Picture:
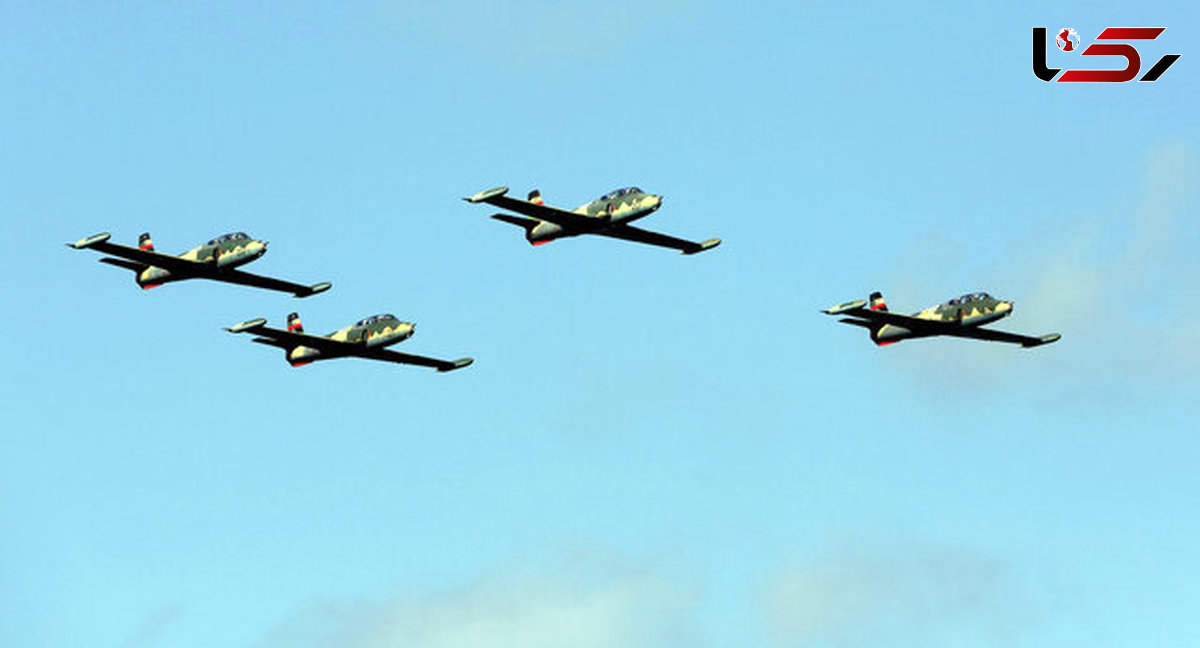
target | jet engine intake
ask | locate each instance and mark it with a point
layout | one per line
(227, 259)
(301, 355)
(889, 333)
(372, 340)
(152, 276)
(544, 233)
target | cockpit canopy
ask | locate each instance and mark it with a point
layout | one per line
(968, 298)
(233, 236)
(367, 321)
(613, 195)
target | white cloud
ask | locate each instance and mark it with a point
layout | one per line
(567, 608)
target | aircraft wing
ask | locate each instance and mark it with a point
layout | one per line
(388, 355)
(630, 233)
(567, 219)
(992, 335)
(232, 275)
(165, 261)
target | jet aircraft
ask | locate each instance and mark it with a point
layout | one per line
(959, 317)
(215, 260)
(608, 215)
(365, 338)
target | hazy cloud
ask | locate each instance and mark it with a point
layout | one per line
(1122, 284)
(1118, 284)
(525, 31)
(919, 595)
(153, 626)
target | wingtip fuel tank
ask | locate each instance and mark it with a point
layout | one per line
(458, 364)
(841, 308)
(1046, 339)
(704, 246)
(484, 195)
(315, 288)
(248, 325)
(84, 243)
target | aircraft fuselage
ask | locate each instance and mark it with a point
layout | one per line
(228, 251)
(371, 332)
(620, 206)
(975, 309)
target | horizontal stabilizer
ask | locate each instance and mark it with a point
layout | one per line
(705, 245)
(270, 342)
(519, 221)
(458, 364)
(857, 322)
(248, 325)
(122, 263)
(848, 306)
(88, 242)
(484, 195)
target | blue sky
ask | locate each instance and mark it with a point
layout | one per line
(651, 449)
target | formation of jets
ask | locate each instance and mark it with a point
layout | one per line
(609, 216)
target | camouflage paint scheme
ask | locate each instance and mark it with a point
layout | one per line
(608, 215)
(958, 317)
(215, 260)
(365, 338)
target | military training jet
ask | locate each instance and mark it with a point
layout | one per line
(363, 339)
(960, 317)
(608, 215)
(214, 260)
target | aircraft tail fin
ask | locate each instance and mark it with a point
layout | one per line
(877, 302)
(535, 197)
(293, 323)
(145, 242)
